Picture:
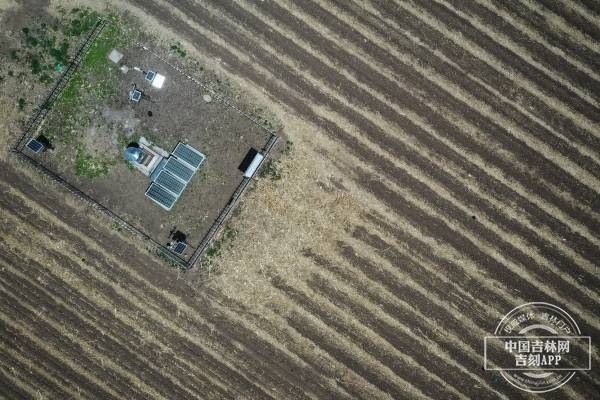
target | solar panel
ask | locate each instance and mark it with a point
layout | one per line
(170, 182)
(189, 155)
(135, 95)
(179, 169)
(35, 146)
(179, 247)
(161, 196)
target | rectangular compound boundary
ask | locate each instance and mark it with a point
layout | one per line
(37, 118)
(42, 111)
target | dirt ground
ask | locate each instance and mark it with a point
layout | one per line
(443, 170)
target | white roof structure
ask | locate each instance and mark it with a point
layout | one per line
(249, 173)
(158, 81)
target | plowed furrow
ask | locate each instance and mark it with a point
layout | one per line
(243, 337)
(107, 334)
(389, 144)
(26, 371)
(425, 319)
(534, 54)
(574, 26)
(68, 377)
(436, 228)
(419, 352)
(401, 367)
(381, 84)
(481, 69)
(467, 78)
(71, 355)
(541, 79)
(232, 61)
(345, 354)
(184, 349)
(541, 43)
(489, 59)
(13, 387)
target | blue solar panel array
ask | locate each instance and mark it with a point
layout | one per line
(35, 146)
(172, 175)
(179, 169)
(161, 196)
(189, 155)
(179, 247)
(170, 182)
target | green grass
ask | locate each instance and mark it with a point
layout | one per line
(42, 52)
(272, 171)
(35, 65)
(178, 49)
(95, 68)
(46, 78)
(91, 167)
(288, 147)
(96, 60)
(60, 53)
(82, 20)
(217, 246)
(172, 263)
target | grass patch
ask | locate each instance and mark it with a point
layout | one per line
(272, 171)
(89, 166)
(171, 262)
(60, 53)
(91, 76)
(22, 103)
(46, 79)
(96, 60)
(71, 92)
(81, 21)
(35, 65)
(217, 246)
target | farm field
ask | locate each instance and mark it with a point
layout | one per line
(440, 169)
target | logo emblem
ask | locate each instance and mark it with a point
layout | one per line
(537, 347)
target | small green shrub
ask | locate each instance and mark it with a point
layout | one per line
(217, 246)
(46, 78)
(272, 171)
(35, 65)
(288, 147)
(178, 49)
(170, 262)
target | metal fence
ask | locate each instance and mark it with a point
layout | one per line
(41, 112)
(214, 229)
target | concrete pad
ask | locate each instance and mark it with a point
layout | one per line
(158, 81)
(115, 56)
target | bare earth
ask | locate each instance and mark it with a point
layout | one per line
(444, 170)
